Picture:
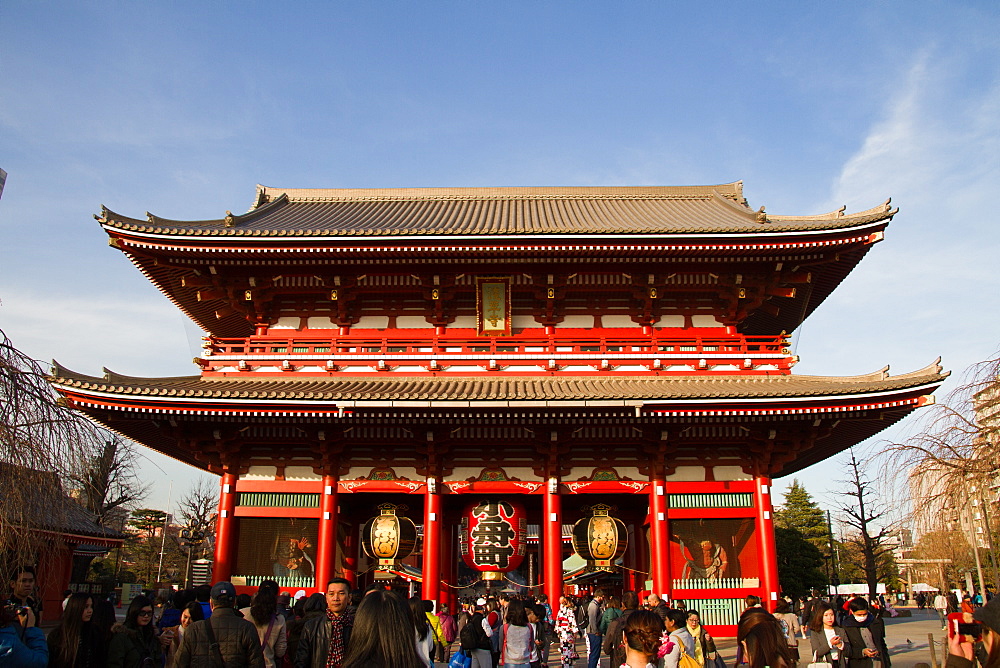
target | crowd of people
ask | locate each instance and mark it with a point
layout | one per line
(382, 628)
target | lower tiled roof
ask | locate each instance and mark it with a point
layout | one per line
(547, 388)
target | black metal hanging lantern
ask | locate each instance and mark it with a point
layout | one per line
(600, 539)
(389, 537)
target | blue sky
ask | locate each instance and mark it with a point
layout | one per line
(181, 108)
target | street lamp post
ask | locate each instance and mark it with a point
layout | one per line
(190, 538)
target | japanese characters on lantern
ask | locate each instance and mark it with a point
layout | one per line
(494, 536)
(600, 538)
(389, 537)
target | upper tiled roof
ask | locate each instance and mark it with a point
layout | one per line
(388, 212)
(547, 388)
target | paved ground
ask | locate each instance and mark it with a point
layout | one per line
(906, 638)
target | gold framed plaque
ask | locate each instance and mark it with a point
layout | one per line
(493, 306)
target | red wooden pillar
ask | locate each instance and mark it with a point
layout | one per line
(431, 565)
(659, 537)
(552, 573)
(326, 537)
(225, 530)
(765, 540)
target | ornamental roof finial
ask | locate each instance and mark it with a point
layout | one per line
(230, 219)
(761, 216)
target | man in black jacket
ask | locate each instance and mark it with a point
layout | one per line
(328, 634)
(225, 638)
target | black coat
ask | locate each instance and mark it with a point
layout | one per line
(314, 644)
(856, 657)
(237, 638)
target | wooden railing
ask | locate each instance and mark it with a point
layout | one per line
(354, 347)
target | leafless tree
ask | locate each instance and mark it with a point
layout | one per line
(108, 479)
(39, 440)
(197, 510)
(868, 520)
(954, 459)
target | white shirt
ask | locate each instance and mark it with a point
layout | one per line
(834, 652)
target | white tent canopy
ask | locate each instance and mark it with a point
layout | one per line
(923, 586)
(856, 589)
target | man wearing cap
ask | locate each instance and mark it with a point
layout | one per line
(324, 639)
(225, 639)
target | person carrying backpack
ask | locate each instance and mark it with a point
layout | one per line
(475, 637)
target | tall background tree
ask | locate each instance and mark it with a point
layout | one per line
(145, 543)
(802, 542)
(870, 534)
(108, 480)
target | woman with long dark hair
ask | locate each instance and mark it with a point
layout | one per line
(424, 632)
(76, 642)
(516, 637)
(827, 640)
(763, 641)
(383, 634)
(263, 612)
(134, 644)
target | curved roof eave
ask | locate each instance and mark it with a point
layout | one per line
(425, 213)
(644, 391)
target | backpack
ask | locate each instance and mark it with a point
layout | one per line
(467, 636)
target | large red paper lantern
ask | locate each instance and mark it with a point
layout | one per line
(494, 536)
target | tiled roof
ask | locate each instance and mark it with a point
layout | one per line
(387, 212)
(548, 388)
(49, 508)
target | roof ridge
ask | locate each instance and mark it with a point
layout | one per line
(265, 193)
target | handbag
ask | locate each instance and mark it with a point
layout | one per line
(460, 660)
(818, 664)
(686, 660)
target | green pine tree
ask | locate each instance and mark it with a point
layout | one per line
(802, 541)
(801, 513)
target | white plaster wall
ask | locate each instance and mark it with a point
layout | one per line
(704, 321)
(671, 321)
(577, 322)
(688, 474)
(731, 473)
(301, 473)
(320, 322)
(260, 473)
(413, 322)
(618, 321)
(286, 322)
(372, 322)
